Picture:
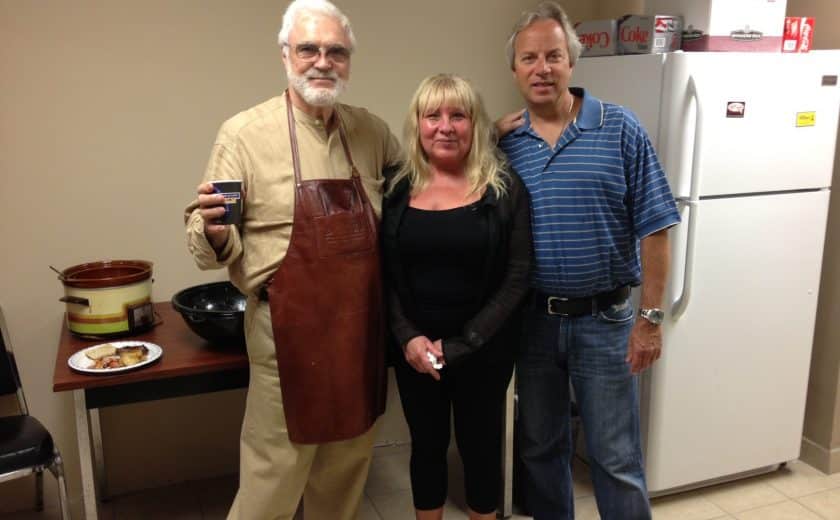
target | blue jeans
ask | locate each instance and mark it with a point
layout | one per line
(588, 350)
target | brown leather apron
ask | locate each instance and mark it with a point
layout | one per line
(326, 308)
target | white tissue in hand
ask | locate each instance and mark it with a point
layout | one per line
(435, 363)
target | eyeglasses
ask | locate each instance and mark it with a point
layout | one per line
(310, 52)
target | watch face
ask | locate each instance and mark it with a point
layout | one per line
(653, 315)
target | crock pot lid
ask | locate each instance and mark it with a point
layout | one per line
(107, 273)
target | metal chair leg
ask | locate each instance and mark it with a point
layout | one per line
(39, 489)
(57, 469)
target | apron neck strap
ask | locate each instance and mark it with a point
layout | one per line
(294, 142)
(353, 171)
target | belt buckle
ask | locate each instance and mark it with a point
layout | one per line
(557, 299)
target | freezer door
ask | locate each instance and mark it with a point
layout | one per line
(633, 81)
(762, 122)
(728, 394)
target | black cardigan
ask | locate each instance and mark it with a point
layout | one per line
(506, 269)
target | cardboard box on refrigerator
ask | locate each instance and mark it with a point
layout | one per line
(727, 25)
(649, 34)
(598, 37)
(799, 34)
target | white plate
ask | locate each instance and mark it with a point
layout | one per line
(79, 361)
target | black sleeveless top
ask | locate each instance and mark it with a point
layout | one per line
(443, 252)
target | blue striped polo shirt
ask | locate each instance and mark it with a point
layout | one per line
(593, 196)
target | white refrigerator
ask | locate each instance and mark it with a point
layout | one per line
(747, 141)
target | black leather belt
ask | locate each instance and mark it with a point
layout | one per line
(572, 307)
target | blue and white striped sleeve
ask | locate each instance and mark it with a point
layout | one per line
(650, 201)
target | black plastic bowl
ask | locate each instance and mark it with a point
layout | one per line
(214, 311)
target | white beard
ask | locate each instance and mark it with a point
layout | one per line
(316, 96)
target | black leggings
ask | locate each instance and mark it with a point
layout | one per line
(475, 392)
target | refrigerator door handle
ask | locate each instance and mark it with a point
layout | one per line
(681, 303)
(694, 190)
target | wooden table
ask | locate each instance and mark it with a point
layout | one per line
(189, 365)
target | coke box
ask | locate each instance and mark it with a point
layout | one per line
(798, 35)
(649, 34)
(597, 37)
(727, 25)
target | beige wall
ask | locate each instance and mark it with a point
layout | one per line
(618, 8)
(107, 114)
(821, 443)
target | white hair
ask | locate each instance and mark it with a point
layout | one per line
(298, 7)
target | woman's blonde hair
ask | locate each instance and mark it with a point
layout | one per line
(485, 165)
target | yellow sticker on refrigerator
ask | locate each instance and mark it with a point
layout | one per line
(806, 119)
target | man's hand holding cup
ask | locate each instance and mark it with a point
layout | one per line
(220, 204)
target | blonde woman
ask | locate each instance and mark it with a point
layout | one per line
(457, 245)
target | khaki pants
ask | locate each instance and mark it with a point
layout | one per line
(273, 471)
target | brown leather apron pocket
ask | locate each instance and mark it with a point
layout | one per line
(343, 234)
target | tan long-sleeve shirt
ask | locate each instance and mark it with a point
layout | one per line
(254, 146)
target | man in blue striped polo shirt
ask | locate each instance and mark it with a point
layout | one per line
(601, 207)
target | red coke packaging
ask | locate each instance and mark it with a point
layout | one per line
(798, 35)
(727, 25)
(649, 34)
(598, 37)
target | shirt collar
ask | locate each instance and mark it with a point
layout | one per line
(314, 122)
(525, 128)
(590, 116)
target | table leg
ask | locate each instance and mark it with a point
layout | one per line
(507, 452)
(98, 456)
(83, 439)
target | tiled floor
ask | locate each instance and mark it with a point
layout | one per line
(796, 492)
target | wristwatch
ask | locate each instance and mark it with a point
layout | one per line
(654, 316)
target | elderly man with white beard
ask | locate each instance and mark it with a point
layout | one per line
(307, 255)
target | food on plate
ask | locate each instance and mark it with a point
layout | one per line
(107, 362)
(101, 351)
(132, 355)
(121, 357)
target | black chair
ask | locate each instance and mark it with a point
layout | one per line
(26, 447)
